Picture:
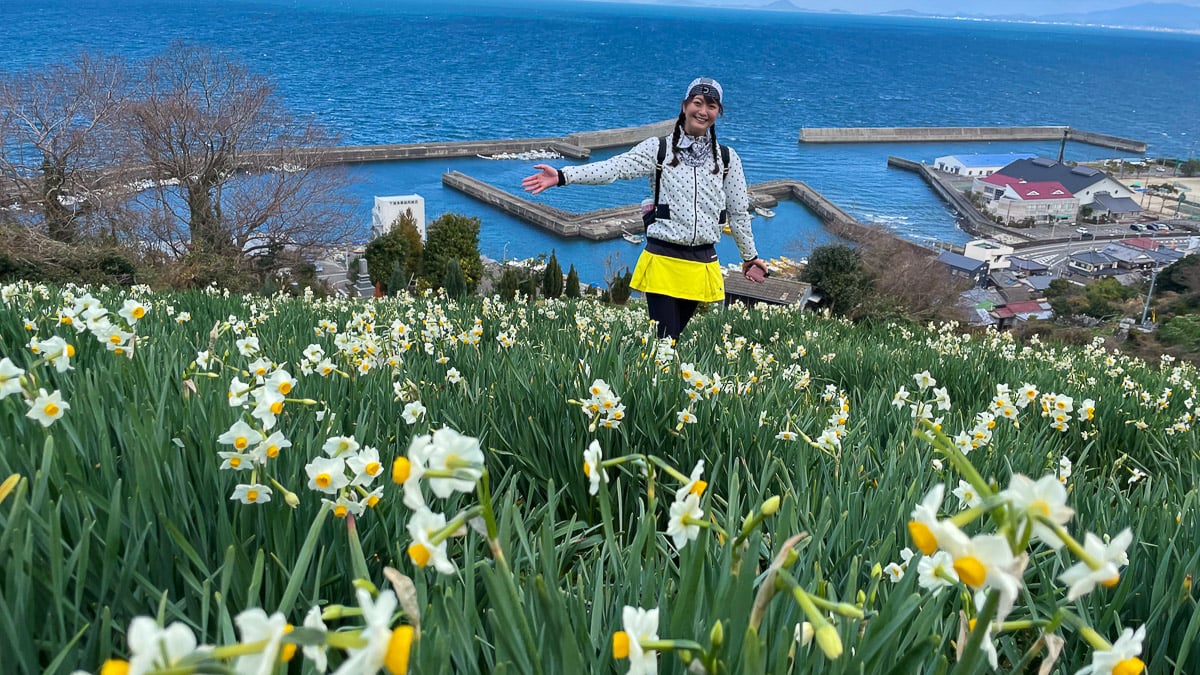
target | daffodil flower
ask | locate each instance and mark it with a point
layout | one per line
(935, 572)
(47, 408)
(253, 493)
(1121, 658)
(327, 474)
(377, 632)
(422, 527)
(365, 465)
(924, 526)
(413, 411)
(638, 626)
(1046, 498)
(685, 513)
(340, 446)
(153, 648)
(893, 572)
(592, 469)
(10, 378)
(255, 626)
(1082, 577)
(967, 495)
(315, 652)
(447, 450)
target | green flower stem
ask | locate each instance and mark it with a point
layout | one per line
(239, 649)
(1073, 546)
(969, 515)
(943, 444)
(839, 608)
(484, 488)
(675, 473)
(454, 524)
(806, 601)
(707, 524)
(357, 559)
(1085, 631)
(306, 553)
(670, 645)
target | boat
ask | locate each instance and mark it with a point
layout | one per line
(764, 212)
(632, 238)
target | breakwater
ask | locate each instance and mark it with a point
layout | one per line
(966, 134)
(970, 219)
(610, 223)
(575, 146)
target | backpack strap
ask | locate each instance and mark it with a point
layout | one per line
(724, 162)
(658, 166)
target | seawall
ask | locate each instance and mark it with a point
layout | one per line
(965, 134)
(610, 223)
(971, 220)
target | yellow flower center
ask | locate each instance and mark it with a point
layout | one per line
(1130, 666)
(1039, 507)
(272, 451)
(372, 501)
(340, 510)
(401, 468)
(252, 496)
(698, 488)
(276, 407)
(419, 554)
(1109, 583)
(373, 468)
(287, 650)
(285, 387)
(66, 320)
(971, 571)
(115, 667)
(923, 537)
(587, 469)
(620, 645)
(322, 480)
(235, 462)
(240, 442)
(70, 351)
(115, 339)
(51, 410)
(138, 312)
(971, 624)
(398, 650)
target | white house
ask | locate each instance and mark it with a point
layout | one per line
(977, 164)
(388, 209)
(990, 252)
(1015, 200)
(1081, 181)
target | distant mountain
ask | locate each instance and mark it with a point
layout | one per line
(1146, 15)
(784, 6)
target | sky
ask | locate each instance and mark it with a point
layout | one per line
(1007, 7)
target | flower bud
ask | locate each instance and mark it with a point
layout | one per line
(717, 635)
(829, 641)
(770, 506)
(804, 633)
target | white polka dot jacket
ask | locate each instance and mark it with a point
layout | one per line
(695, 196)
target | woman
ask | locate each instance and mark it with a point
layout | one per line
(695, 192)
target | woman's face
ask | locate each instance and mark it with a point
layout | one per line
(699, 114)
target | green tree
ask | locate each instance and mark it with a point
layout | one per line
(618, 289)
(552, 278)
(398, 280)
(1183, 330)
(452, 236)
(1181, 276)
(454, 282)
(506, 288)
(401, 244)
(572, 288)
(836, 270)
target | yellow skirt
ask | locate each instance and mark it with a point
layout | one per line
(686, 279)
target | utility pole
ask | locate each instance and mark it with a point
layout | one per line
(1146, 308)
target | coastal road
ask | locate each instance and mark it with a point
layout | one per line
(1055, 254)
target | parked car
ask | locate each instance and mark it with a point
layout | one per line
(1138, 227)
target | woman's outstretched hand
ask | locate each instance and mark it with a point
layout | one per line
(544, 180)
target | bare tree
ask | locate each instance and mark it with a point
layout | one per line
(60, 131)
(233, 174)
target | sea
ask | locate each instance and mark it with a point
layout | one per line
(390, 71)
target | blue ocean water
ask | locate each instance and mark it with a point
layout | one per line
(380, 71)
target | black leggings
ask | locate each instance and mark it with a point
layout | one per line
(672, 314)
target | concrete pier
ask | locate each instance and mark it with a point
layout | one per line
(971, 220)
(574, 146)
(966, 134)
(610, 223)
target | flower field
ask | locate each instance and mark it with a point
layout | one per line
(196, 482)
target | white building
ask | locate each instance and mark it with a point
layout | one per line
(388, 209)
(990, 252)
(977, 164)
